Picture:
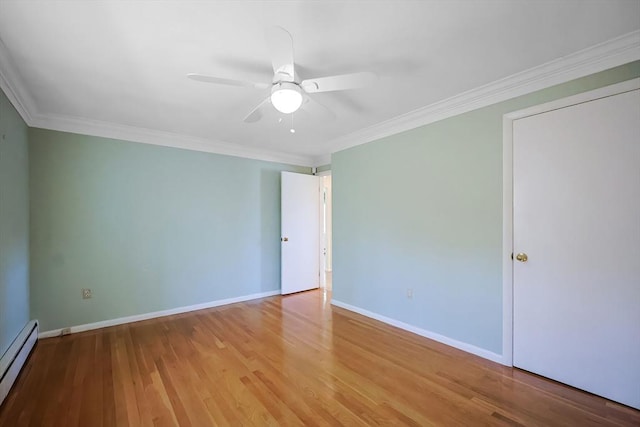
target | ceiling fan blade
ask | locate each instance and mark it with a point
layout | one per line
(280, 45)
(339, 82)
(316, 109)
(227, 82)
(256, 113)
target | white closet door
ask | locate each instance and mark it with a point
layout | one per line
(577, 218)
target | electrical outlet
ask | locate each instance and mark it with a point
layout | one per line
(86, 293)
(65, 331)
(409, 293)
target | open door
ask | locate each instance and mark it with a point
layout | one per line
(299, 242)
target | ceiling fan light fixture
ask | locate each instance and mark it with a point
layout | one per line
(286, 97)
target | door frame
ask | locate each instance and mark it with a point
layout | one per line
(323, 274)
(507, 194)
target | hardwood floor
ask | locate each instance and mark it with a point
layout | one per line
(292, 360)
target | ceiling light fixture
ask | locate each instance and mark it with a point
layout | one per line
(286, 97)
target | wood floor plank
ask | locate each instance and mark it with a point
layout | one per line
(289, 361)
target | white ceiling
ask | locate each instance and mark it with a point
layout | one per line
(118, 68)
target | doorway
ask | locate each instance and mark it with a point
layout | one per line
(326, 238)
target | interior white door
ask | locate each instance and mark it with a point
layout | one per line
(300, 225)
(576, 301)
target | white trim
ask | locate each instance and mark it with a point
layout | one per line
(591, 95)
(15, 357)
(486, 354)
(155, 314)
(507, 194)
(321, 160)
(163, 138)
(13, 87)
(322, 241)
(612, 53)
(507, 241)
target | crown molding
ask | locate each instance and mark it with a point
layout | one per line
(594, 59)
(321, 160)
(12, 85)
(600, 57)
(162, 138)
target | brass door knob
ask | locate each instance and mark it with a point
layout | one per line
(522, 257)
(285, 239)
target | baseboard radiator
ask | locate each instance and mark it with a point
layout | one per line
(14, 359)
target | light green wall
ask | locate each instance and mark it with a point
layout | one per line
(423, 210)
(323, 168)
(14, 224)
(147, 228)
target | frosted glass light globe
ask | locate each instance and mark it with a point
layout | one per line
(286, 97)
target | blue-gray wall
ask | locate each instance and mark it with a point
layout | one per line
(423, 210)
(14, 224)
(147, 228)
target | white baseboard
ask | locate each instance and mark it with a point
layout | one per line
(486, 354)
(15, 357)
(153, 315)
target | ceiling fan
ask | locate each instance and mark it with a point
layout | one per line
(288, 92)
